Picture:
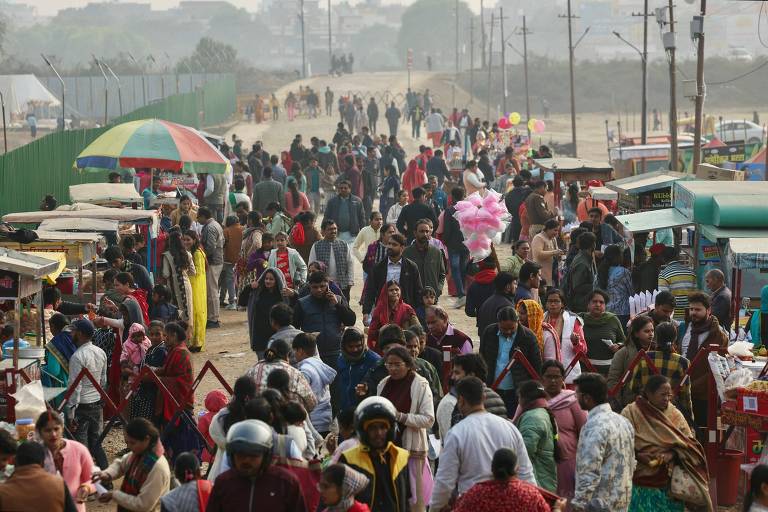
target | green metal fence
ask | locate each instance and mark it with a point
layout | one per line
(44, 166)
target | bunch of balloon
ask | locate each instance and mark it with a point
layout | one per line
(514, 118)
(504, 123)
(536, 126)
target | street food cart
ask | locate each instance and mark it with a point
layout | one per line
(566, 170)
(645, 192)
(148, 218)
(20, 277)
(81, 249)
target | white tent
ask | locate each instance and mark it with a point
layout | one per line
(19, 90)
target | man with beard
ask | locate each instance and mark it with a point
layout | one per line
(428, 259)
(337, 255)
(394, 268)
(253, 478)
(355, 363)
(702, 331)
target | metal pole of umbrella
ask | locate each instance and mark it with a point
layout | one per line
(63, 91)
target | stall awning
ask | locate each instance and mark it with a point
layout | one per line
(30, 265)
(79, 225)
(651, 221)
(713, 233)
(59, 257)
(646, 182)
(748, 253)
(104, 193)
(565, 164)
(603, 194)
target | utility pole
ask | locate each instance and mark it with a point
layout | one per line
(570, 66)
(482, 34)
(303, 45)
(106, 90)
(503, 63)
(668, 40)
(698, 22)
(490, 62)
(456, 76)
(525, 73)
(471, 60)
(63, 93)
(330, 50)
(119, 89)
(644, 102)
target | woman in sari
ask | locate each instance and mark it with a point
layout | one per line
(177, 376)
(390, 309)
(662, 440)
(145, 471)
(199, 292)
(177, 267)
(532, 316)
(57, 353)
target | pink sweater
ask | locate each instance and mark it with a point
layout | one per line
(77, 468)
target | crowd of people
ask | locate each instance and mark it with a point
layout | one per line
(408, 412)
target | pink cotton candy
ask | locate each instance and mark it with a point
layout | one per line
(479, 246)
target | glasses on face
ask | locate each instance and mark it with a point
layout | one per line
(394, 365)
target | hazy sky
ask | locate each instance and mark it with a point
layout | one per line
(49, 7)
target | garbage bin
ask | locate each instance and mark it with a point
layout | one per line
(728, 473)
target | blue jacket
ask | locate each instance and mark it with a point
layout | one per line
(320, 376)
(350, 374)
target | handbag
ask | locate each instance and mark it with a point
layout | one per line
(683, 487)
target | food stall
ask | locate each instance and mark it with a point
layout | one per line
(645, 192)
(566, 170)
(148, 218)
(20, 277)
(627, 160)
(81, 249)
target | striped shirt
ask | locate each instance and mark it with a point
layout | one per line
(680, 280)
(671, 365)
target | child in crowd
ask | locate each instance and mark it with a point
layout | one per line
(8, 447)
(338, 486)
(215, 401)
(428, 298)
(161, 308)
(143, 404)
(295, 415)
(128, 245)
(258, 260)
(132, 355)
(193, 491)
(347, 434)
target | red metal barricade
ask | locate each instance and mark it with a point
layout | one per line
(209, 367)
(447, 366)
(517, 357)
(9, 388)
(641, 354)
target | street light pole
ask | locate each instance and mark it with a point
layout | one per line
(570, 67)
(119, 89)
(63, 92)
(482, 34)
(503, 63)
(143, 81)
(456, 76)
(106, 90)
(525, 73)
(5, 134)
(490, 65)
(643, 58)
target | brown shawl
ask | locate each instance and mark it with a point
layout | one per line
(665, 430)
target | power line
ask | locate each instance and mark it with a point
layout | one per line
(739, 77)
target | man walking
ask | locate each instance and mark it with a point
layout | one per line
(328, 101)
(720, 297)
(469, 446)
(537, 209)
(337, 255)
(212, 240)
(85, 408)
(215, 195)
(373, 114)
(605, 456)
(428, 259)
(435, 126)
(325, 313)
(393, 118)
(412, 213)
(394, 268)
(678, 278)
(267, 191)
(346, 211)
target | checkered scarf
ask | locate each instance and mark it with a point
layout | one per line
(354, 482)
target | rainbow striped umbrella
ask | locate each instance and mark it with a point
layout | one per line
(152, 143)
